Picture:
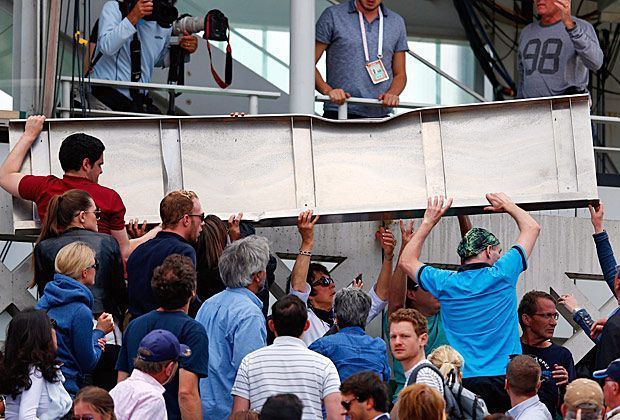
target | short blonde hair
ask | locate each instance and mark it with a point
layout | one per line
(74, 258)
(447, 359)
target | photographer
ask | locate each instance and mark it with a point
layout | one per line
(134, 36)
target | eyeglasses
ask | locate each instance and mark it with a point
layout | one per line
(549, 315)
(96, 212)
(323, 281)
(83, 417)
(201, 216)
(53, 323)
(95, 266)
(347, 404)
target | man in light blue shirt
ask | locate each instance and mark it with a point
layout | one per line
(479, 301)
(234, 321)
(117, 28)
(522, 384)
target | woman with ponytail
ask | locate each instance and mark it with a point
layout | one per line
(72, 217)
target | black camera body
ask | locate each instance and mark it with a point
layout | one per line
(216, 26)
(164, 12)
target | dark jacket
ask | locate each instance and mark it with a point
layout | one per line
(69, 303)
(109, 291)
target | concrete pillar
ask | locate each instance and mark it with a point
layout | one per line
(301, 79)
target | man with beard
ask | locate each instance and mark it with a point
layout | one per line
(181, 221)
(366, 44)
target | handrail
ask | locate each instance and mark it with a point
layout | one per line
(447, 76)
(605, 119)
(252, 95)
(343, 109)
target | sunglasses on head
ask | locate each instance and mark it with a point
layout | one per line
(323, 281)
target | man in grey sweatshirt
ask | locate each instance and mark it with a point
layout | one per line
(557, 52)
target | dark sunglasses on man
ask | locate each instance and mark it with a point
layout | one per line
(323, 281)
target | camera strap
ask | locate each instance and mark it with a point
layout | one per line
(228, 69)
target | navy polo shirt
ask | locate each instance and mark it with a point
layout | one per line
(143, 261)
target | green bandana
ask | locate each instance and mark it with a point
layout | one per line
(474, 242)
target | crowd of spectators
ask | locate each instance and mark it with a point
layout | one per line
(181, 322)
(173, 323)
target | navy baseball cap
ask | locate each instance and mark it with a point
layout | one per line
(161, 345)
(612, 371)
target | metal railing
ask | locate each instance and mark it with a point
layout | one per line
(66, 95)
(343, 109)
(605, 120)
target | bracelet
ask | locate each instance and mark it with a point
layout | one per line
(306, 253)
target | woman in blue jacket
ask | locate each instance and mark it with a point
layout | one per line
(68, 300)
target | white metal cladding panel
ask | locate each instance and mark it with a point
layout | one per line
(538, 151)
(240, 165)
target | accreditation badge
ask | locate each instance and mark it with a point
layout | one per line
(376, 71)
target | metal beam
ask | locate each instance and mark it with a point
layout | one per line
(345, 170)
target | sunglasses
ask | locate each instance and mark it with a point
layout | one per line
(347, 404)
(323, 281)
(95, 266)
(53, 323)
(201, 216)
(83, 417)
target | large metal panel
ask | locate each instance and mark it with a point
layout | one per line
(272, 166)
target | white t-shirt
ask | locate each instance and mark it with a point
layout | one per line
(43, 400)
(426, 376)
(318, 327)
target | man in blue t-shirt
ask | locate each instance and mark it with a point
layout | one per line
(538, 318)
(479, 301)
(181, 221)
(174, 284)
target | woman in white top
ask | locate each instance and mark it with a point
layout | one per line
(29, 375)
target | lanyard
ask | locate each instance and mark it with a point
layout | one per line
(363, 31)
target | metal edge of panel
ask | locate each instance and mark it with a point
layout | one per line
(444, 109)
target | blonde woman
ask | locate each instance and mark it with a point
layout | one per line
(450, 363)
(68, 300)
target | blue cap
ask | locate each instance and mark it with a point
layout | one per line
(161, 345)
(612, 371)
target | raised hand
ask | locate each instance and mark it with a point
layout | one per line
(406, 232)
(388, 242)
(499, 202)
(134, 229)
(34, 125)
(597, 212)
(569, 302)
(435, 209)
(305, 225)
(234, 228)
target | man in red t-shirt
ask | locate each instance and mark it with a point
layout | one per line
(81, 157)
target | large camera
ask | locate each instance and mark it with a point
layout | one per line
(214, 24)
(164, 12)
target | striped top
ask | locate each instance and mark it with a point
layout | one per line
(287, 366)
